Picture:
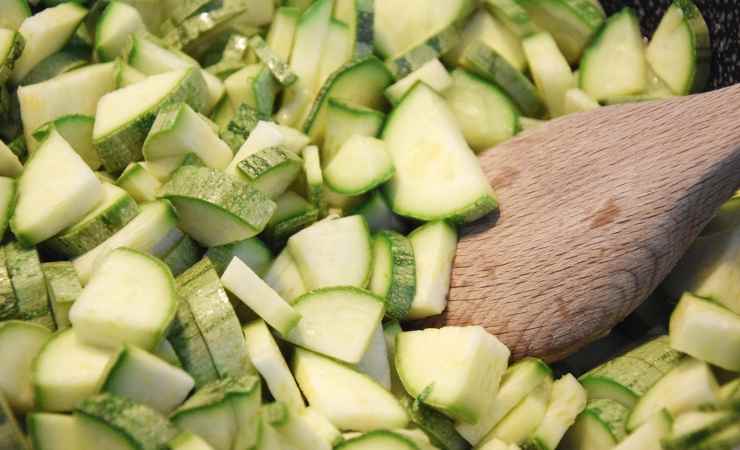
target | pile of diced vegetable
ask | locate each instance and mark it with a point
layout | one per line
(218, 216)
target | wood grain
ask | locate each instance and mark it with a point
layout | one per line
(596, 208)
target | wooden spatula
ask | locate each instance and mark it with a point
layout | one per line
(595, 209)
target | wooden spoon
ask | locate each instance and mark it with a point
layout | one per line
(595, 210)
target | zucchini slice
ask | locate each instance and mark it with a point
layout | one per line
(265, 355)
(107, 421)
(486, 115)
(513, 15)
(400, 26)
(66, 371)
(338, 322)
(252, 252)
(706, 331)
(601, 425)
(487, 63)
(285, 278)
(305, 61)
(394, 273)
(333, 253)
(131, 371)
(215, 318)
(77, 130)
(572, 23)
(271, 170)
(24, 269)
(517, 382)
(434, 247)
(238, 128)
(567, 400)
(224, 413)
(46, 33)
(8, 300)
(414, 134)
(680, 51)
(432, 48)
(233, 210)
(115, 210)
(55, 176)
(43, 102)
(64, 287)
(253, 85)
(241, 281)
(113, 310)
(59, 63)
(614, 63)
(488, 29)
(282, 30)
(337, 50)
(190, 346)
(295, 431)
(433, 73)
(279, 68)
(349, 399)
(649, 435)
(626, 378)
(117, 22)
(361, 81)
(179, 130)
(12, 435)
(343, 120)
(293, 214)
(684, 388)
(361, 165)
(465, 387)
(550, 70)
(183, 254)
(122, 119)
(139, 182)
(524, 419)
(20, 342)
(144, 233)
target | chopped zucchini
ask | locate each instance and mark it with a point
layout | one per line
(27, 279)
(361, 81)
(129, 299)
(215, 318)
(20, 342)
(130, 374)
(179, 130)
(77, 130)
(343, 120)
(490, 30)
(283, 276)
(394, 273)
(361, 164)
(349, 399)
(66, 371)
(433, 73)
(687, 386)
(117, 22)
(465, 386)
(265, 355)
(484, 113)
(234, 210)
(338, 322)
(270, 170)
(614, 63)
(63, 287)
(706, 331)
(333, 253)
(139, 182)
(282, 31)
(680, 51)
(550, 71)
(46, 33)
(145, 232)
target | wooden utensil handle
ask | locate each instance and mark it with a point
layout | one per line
(596, 209)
